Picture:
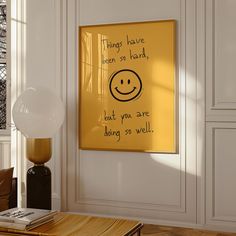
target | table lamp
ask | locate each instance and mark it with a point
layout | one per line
(38, 114)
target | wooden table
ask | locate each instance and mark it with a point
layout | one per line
(65, 224)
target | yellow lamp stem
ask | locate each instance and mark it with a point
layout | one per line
(38, 150)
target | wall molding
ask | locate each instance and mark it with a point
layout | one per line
(71, 196)
(212, 218)
(69, 64)
(181, 207)
(214, 104)
(200, 74)
(220, 120)
(5, 153)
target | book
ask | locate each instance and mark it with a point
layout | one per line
(25, 218)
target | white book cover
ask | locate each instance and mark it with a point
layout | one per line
(25, 218)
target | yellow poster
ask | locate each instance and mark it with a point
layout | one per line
(127, 87)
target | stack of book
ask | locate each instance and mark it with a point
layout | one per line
(25, 218)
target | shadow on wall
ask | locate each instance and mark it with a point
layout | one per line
(133, 180)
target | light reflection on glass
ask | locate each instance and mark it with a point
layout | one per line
(87, 59)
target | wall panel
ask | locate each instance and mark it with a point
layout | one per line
(221, 164)
(150, 186)
(220, 114)
(220, 62)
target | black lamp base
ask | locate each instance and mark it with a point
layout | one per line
(39, 187)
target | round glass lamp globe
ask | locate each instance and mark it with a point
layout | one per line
(38, 113)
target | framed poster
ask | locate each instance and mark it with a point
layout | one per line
(127, 87)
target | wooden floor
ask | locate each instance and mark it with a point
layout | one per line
(153, 230)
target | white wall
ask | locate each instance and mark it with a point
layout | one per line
(153, 187)
(43, 66)
(5, 152)
(35, 58)
(220, 113)
(166, 189)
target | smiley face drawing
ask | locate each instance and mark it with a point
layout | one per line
(125, 85)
